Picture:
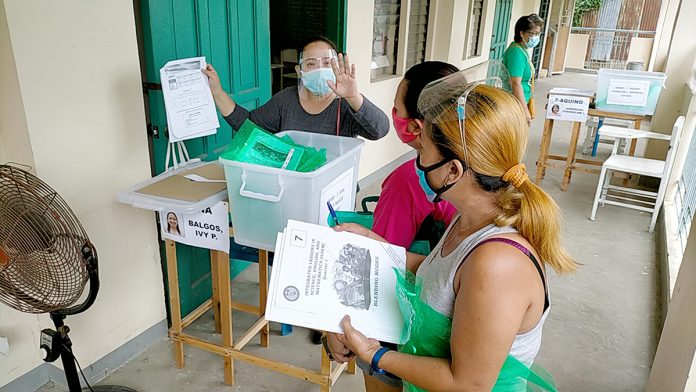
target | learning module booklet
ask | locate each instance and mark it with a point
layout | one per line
(319, 275)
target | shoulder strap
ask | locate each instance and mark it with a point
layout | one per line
(524, 250)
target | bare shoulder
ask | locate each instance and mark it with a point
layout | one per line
(499, 264)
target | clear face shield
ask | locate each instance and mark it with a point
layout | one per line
(447, 100)
(315, 70)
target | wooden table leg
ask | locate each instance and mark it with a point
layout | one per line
(222, 261)
(214, 273)
(544, 150)
(570, 159)
(263, 294)
(351, 366)
(325, 370)
(174, 301)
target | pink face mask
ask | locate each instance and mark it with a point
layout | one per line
(401, 126)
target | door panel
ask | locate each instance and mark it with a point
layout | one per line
(537, 54)
(501, 28)
(234, 36)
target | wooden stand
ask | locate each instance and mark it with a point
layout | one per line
(222, 305)
(570, 162)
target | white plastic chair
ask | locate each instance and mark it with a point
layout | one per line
(630, 197)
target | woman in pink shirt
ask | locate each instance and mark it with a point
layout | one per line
(403, 207)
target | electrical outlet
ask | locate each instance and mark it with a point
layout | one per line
(4, 346)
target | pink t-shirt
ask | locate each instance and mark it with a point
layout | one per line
(402, 207)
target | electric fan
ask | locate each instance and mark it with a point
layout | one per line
(46, 260)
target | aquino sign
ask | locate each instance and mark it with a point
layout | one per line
(567, 108)
(208, 228)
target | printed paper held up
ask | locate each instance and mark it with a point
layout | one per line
(319, 275)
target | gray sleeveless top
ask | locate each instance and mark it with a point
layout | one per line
(438, 286)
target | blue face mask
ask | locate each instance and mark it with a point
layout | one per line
(533, 42)
(433, 195)
(315, 80)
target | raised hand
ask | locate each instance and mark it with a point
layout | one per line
(213, 79)
(223, 101)
(346, 85)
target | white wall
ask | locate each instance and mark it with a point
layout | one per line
(14, 138)
(677, 65)
(78, 76)
(674, 361)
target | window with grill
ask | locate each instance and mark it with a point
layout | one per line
(417, 32)
(475, 30)
(385, 38)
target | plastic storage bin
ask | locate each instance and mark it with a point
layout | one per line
(262, 198)
(632, 92)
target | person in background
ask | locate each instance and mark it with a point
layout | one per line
(485, 282)
(519, 64)
(327, 100)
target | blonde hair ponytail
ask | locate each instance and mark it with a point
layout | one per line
(496, 139)
(537, 217)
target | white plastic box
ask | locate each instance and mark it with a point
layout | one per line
(262, 198)
(632, 92)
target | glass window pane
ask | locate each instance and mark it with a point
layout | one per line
(385, 37)
(417, 32)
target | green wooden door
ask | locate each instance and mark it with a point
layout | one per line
(233, 35)
(501, 28)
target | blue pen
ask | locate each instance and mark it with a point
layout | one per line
(332, 212)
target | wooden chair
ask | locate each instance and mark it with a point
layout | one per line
(636, 199)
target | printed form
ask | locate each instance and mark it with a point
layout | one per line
(187, 99)
(319, 275)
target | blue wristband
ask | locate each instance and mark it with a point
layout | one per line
(374, 368)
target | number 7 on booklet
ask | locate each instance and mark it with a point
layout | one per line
(319, 275)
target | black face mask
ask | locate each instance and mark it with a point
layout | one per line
(431, 192)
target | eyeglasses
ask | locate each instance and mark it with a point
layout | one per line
(533, 34)
(310, 63)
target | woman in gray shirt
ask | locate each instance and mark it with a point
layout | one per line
(327, 100)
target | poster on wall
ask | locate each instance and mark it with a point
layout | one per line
(208, 228)
(567, 108)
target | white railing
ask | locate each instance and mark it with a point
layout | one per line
(609, 48)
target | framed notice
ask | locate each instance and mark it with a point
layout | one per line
(567, 108)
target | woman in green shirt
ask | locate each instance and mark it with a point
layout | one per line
(519, 64)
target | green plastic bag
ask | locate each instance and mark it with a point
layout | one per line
(252, 144)
(427, 332)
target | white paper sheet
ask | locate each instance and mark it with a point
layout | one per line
(188, 100)
(319, 275)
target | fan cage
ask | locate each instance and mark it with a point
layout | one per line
(41, 264)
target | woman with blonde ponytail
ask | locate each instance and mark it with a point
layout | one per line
(476, 323)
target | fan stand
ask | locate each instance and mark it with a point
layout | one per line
(62, 346)
(56, 343)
